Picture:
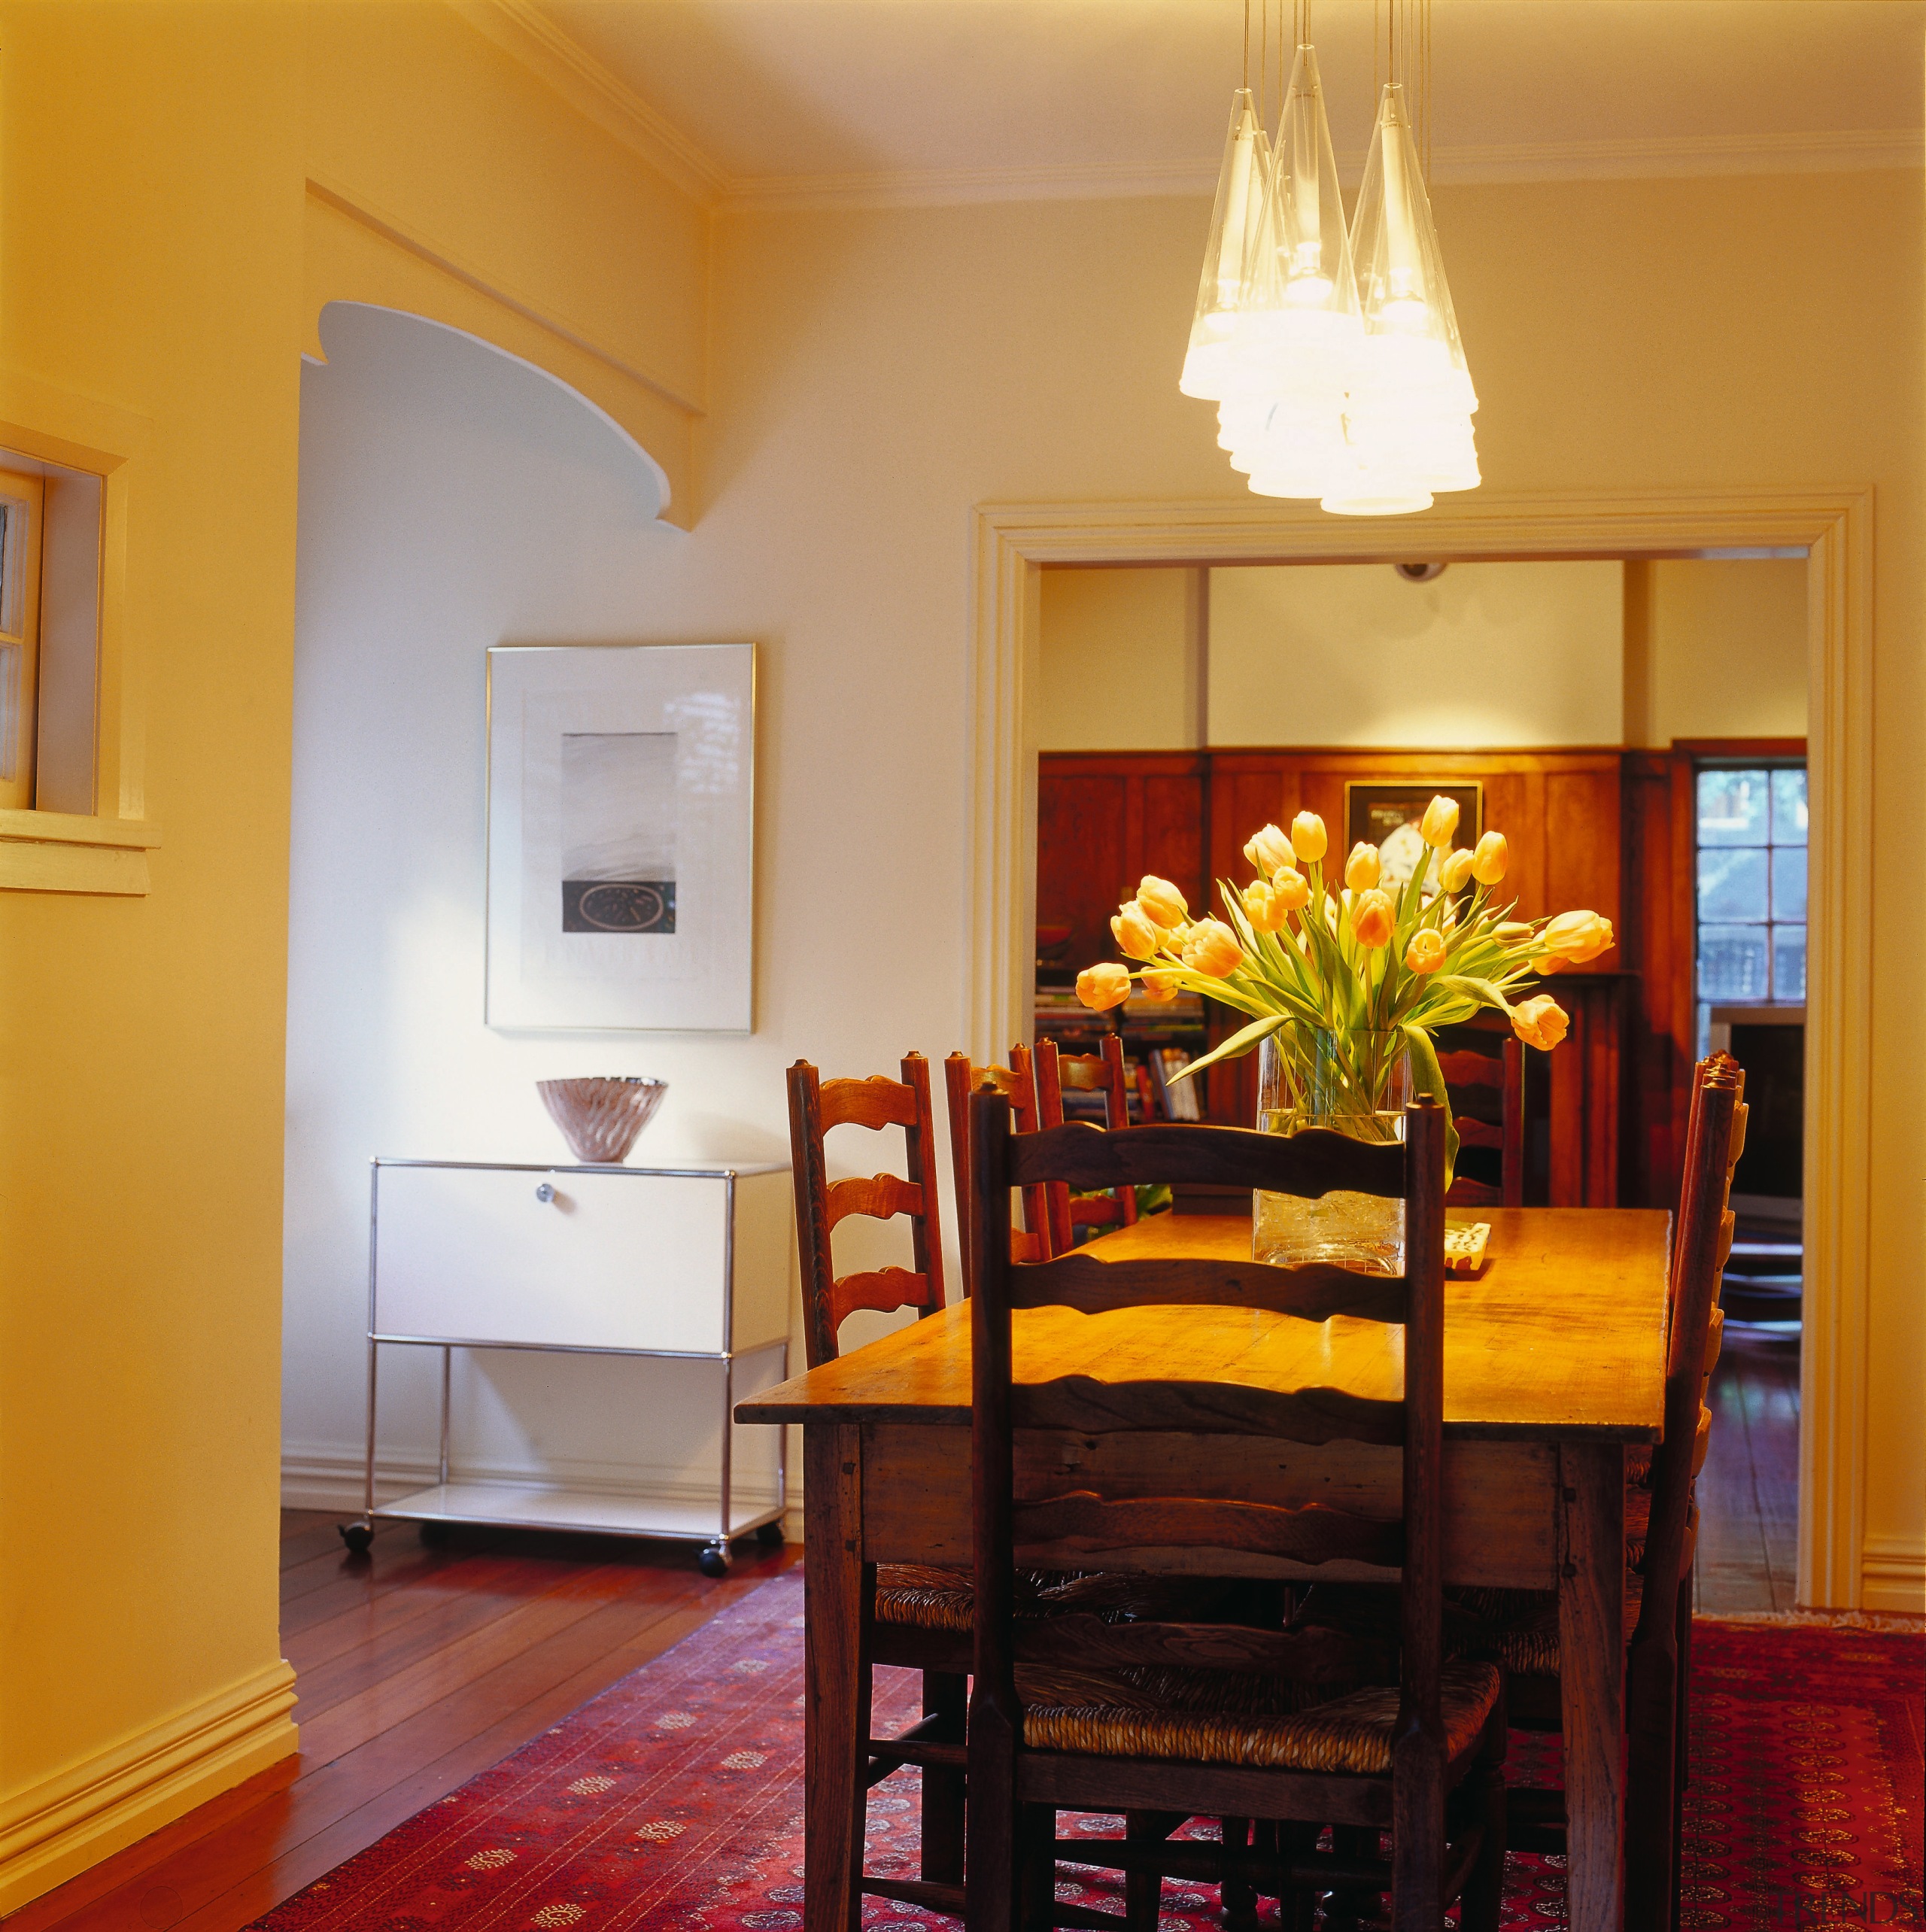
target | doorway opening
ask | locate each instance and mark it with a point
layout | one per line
(1604, 713)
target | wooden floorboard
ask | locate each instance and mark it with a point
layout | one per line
(418, 1667)
(1748, 1490)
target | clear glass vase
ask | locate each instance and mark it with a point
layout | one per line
(1354, 1083)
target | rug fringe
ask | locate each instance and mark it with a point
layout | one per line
(1898, 1622)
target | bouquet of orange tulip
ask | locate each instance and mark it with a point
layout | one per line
(1366, 971)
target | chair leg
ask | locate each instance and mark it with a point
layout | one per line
(1343, 1908)
(859, 1822)
(1483, 1901)
(1418, 1833)
(1681, 1726)
(991, 1825)
(1651, 1793)
(945, 1696)
(1238, 1896)
(1036, 1882)
(1297, 1906)
(1143, 1891)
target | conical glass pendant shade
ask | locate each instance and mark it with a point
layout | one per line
(1408, 428)
(1232, 251)
(1317, 293)
(1400, 269)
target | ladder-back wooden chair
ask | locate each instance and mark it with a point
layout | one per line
(1520, 1628)
(1057, 1072)
(1017, 1082)
(1174, 1719)
(914, 1616)
(1473, 1081)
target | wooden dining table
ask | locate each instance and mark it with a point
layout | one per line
(1555, 1363)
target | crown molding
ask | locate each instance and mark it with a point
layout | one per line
(521, 30)
(1850, 152)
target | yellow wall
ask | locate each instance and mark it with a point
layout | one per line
(1727, 649)
(151, 239)
(1122, 666)
(874, 376)
(877, 375)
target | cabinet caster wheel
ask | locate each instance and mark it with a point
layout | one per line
(433, 1534)
(770, 1535)
(714, 1560)
(357, 1536)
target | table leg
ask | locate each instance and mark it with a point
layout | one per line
(832, 1645)
(1591, 1652)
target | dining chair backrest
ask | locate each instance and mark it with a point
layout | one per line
(1715, 1134)
(1075, 1528)
(1017, 1082)
(816, 1106)
(1473, 1081)
(1058, 1072)
(1656, 1657)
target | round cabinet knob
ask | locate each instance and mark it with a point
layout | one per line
(545, 1192)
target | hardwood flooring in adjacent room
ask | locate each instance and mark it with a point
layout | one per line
(416, 1668)
(1748, 1490)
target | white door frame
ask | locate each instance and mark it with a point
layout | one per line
(1010, 543)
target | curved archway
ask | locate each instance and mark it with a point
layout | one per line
(657, 477)
(353, 256)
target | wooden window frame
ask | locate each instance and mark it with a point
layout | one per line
(103, 851)
(24, 497)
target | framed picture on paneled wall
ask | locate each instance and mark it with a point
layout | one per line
(1387, 815)
(621, 833)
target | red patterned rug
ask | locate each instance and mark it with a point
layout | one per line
(675, 1799)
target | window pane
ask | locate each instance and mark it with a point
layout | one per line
(1732, 884)
(1789, 807)
(1732, 963)
(1733, 808)
(1789, 962)
(1789, 882)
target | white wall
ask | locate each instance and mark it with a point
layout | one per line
(1487, 657)
(450, 499)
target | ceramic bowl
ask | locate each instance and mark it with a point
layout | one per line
(600, 1119)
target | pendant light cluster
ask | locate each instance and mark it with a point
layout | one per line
(1332, 354)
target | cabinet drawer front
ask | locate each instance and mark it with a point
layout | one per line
(614, 1260)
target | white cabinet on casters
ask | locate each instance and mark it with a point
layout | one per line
(691, 1263)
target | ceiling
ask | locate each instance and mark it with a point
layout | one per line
(820, 102)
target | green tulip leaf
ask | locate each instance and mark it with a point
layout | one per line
(1238, 1044)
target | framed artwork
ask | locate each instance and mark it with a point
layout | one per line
(1386, 812)
(621, 835)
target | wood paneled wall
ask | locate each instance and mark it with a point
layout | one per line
(1657, 942)
(1607, 830)
(1559, 810)
(1104, 819)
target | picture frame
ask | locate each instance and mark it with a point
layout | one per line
(1386, 812)
(620, 838)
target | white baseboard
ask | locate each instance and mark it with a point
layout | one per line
(1892, 1574)
(51, 1830)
